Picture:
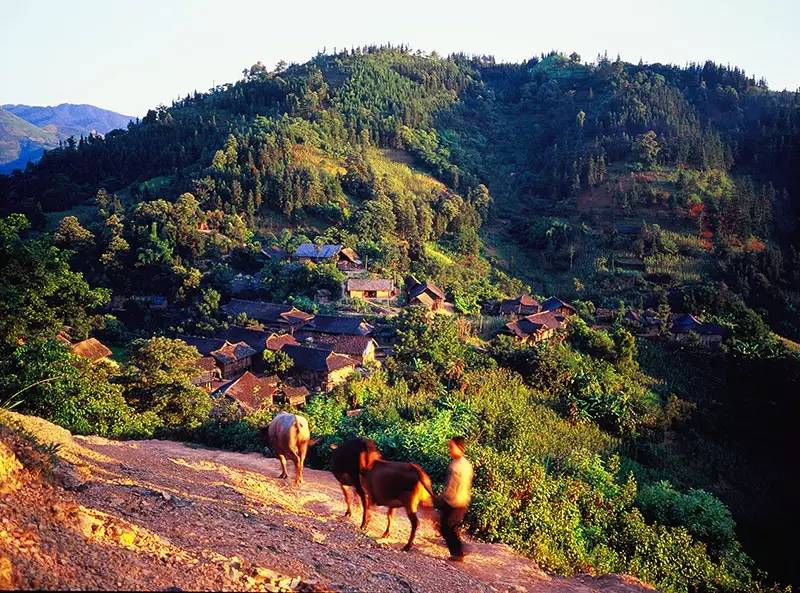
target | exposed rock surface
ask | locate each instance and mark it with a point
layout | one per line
(161, 515)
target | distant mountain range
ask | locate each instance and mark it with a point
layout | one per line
(26, 131)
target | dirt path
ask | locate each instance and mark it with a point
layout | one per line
(161, 514)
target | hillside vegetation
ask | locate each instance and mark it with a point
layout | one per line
(612, 185)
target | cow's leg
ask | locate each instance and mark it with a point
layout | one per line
(298, 468)
(388, 521)
(362, 495)
(346, 493)
(303, 450)
(412, 516)
(365, 514)
(282, 459)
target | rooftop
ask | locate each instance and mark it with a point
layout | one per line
(555, 303)
(91, 348)
(340, 324)
(423, 287)
(317, 359)
(249, 391)
(255, 338)
(317, 252)
(268, 312)
(370, 284)
(526, 326)
(350, 345)
(277, 341)
(229, 352)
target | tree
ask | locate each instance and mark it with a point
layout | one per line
(428, 347)
(159, 380)
(40, 294)
(646, 148)
(70, 234)
(69, 390)
(277, 362)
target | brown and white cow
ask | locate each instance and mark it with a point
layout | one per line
(288, 436)
(394, 484)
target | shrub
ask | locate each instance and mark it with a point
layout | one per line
(702, 514)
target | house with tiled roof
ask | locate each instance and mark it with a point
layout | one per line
(208, 374)
(276, 342)
(250, 392)
(318, 367)
(293, 395)
(686, 326)
(345, 258)
(232, 358)
(360, 348)
(522, 305)
(337, 325)
(369, 288)
(91, 348)
(426, 294)
(558, 307)
(275, 315)
(534, 328)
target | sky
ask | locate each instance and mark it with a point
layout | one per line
(131, 56)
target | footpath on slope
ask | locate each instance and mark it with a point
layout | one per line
(162, 515)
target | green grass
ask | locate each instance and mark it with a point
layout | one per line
(434, 252)
(400, 176)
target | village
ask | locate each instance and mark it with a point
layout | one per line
(277, 354)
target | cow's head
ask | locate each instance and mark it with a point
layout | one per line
(367, 458)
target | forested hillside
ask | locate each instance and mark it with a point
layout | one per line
(612, 185)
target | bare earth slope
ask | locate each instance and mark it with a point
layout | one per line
(159, 514)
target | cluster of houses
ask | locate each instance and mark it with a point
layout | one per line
(534, 321)
(324, 351)
(681, 327)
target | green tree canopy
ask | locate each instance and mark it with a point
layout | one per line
(40, 294)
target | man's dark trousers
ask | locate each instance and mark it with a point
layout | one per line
(450, 522)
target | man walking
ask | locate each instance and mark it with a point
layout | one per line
(453, 502)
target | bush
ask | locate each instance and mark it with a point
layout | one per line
(69, 390)
(552, 489)
(702, 514)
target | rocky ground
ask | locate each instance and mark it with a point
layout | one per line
(161, 515)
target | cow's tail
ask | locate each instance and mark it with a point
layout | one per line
(425, 480)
